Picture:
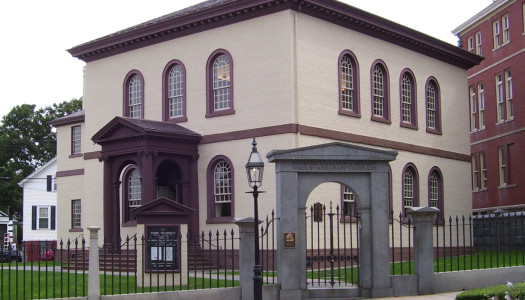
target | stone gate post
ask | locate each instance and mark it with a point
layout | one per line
(93, 279)
(423, 220)
(246, 256)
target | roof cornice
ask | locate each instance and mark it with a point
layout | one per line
(480, 16)
(217, 13)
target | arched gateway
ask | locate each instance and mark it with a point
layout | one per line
(298, 172)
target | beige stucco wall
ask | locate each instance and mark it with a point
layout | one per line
(319, 45)
(272, 86)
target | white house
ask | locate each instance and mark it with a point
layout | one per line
(40, 209)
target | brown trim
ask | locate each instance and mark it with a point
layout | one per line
(331, 134)
(210, 96)
(204, 16)
(92, 155)
(372, 141)
(125, 99)
(68, 173)
(75, 118)
(165, 92)
(250, 133)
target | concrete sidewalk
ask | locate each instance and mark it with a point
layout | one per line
(441, 296)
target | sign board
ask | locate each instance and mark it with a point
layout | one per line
(162, 248)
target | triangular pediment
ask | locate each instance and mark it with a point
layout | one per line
(127, 128)
(163, 207)
(333, 152)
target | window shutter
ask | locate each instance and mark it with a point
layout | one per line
(33, 218)
(53, 217)
(49, 183)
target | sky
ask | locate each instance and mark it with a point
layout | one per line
(35, 67)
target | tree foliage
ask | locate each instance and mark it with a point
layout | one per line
(27, 141)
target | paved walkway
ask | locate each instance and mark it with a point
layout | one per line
(441, 296)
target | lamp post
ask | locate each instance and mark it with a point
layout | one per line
(254, 170)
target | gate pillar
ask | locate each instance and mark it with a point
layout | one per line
(298, 172)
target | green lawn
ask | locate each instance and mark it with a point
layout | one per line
(26, 284)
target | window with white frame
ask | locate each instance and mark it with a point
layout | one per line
(134, 193)
(44, 217)
(410, 184)
(478, 43)
(348, 202)
(470, 44)
(176, 92)
(473, 106)
(135, 95)
(348, 84)
(221, 83)
(496, 33)
(481, 106)
(433, 107)
(380, 105)
(76, 140)
(506, 29)
(76, 213)
(407, 99)
(475, 173)
(433, 187)
(222, 189)
(500, 104)
(502, 159)
(483, 170)
(509, 94)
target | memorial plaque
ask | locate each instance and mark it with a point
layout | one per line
(162, 248)
(289, 240)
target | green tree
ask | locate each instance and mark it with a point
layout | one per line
(27, 141)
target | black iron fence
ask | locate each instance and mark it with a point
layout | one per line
(211, 259)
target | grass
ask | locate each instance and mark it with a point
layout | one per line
(16, 284)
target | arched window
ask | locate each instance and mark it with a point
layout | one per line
(380, 95)
(348, 85)
(220, 84)
(134, 95)
(132, 191)
(174, 108)
(408, 100)
(433, 106)
(410, 186)
(220, 190)
(435, 191)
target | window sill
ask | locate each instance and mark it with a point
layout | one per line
(218, 113)
(381, 120)
(220, 220)
(349, 113)
(408, 125)
(177, 120)
(506, 186)
(76, 155)
(76, 229)
(435, 131)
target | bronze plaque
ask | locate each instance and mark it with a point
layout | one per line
(289, 240)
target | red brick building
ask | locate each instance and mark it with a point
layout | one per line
(496, 95)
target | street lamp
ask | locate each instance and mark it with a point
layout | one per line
(254, 170)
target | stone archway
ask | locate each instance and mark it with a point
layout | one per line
(298, 172)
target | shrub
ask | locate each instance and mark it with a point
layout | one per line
(497, 292)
